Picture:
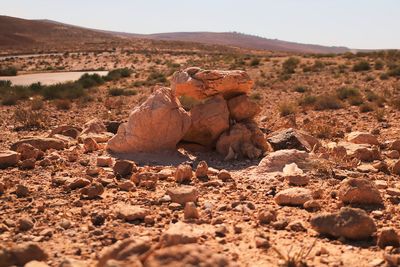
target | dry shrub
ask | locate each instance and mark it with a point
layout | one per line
(29, 119)
(63, 104)
(37, 104)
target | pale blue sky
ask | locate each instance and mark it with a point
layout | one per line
(351, 23)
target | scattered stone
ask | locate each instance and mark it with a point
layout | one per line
(93, 171)
(22, 190)
(122, 250)
(362, 138)
(188, 255)
(312, 205)
(93, 190)
(36, 264)
(350, 223)
(266, 217)
(381, 184)
(190, 211)
(131, 213)
(28, 164)
(65, 224)
(393, 154)
(25, 224)
(127, 186)
(202, 169)
(395, 168)
(8, 159)
(362, 152)
(295, 196)
(359, 191)
(293, 139)
(104, 161)
(201, 84)
(183, 194)
(28, 151)
(21, 254)
(41, 143)
(90, 145)
(262, 242)
(294, 175)
(296, 226)
(180, 233)
(98, 219)
(183, 173)
(394, 192)
(146, 179)
(2, 188)
(224, 176)
(78, 183)
(138, 135)
(276, 161)
(66, 130)
(388, 237)
(123, 168)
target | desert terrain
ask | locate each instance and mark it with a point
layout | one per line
(319, 185)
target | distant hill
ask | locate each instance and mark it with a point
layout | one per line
(23, 32)
(16, 32)
(242, 41)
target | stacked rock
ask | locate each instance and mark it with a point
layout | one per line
(219, 114)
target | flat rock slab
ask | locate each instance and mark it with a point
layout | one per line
(8, 159)
(295, 196)
(41, 143)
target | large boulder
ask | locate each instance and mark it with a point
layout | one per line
(209, 120)
(242, 108)
(242, 140)
(200, 84)
(293, 139)
(349, 223)
(157, 124)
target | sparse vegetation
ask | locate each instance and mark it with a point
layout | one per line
(121, 92)
(362, 65)
(8, 71)
(289, 66)
(326, 102)
(287, 108)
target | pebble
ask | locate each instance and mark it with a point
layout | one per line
(190, 211)
(202, 169)
(22, 191)
(183, 194)
(25, 224)
(183, 173)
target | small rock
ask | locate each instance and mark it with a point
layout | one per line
(312, 205)
(127, 186)
(66, 224)
(393, 192)
(146, 179)
(93, 171)
(180, 233)
(183, 173)
(350, 223)
(92, 191)
(262, 242)
(2, 188)
(265, 217)
(36, 264)
(104, 161)
(395, 168)
(362, 138)
(41, 143)
(202, 169)
(22, 191)
(123, 168)
(98, 219)
(190, 211)
(8, 159)
(131, 213)
(295, 196)
(183, 194)
(78, 183)
(388, 237)
(393, 154)
(27, 151)
(359, 191)
(224, 176)
(297, 226)
(25, 224)
(22, 254)
(90, 145)
(28, 164)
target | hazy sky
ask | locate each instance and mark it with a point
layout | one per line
(351, 23)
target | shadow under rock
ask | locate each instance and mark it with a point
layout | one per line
(174, 158)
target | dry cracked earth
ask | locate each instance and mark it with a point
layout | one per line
(309, 185)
